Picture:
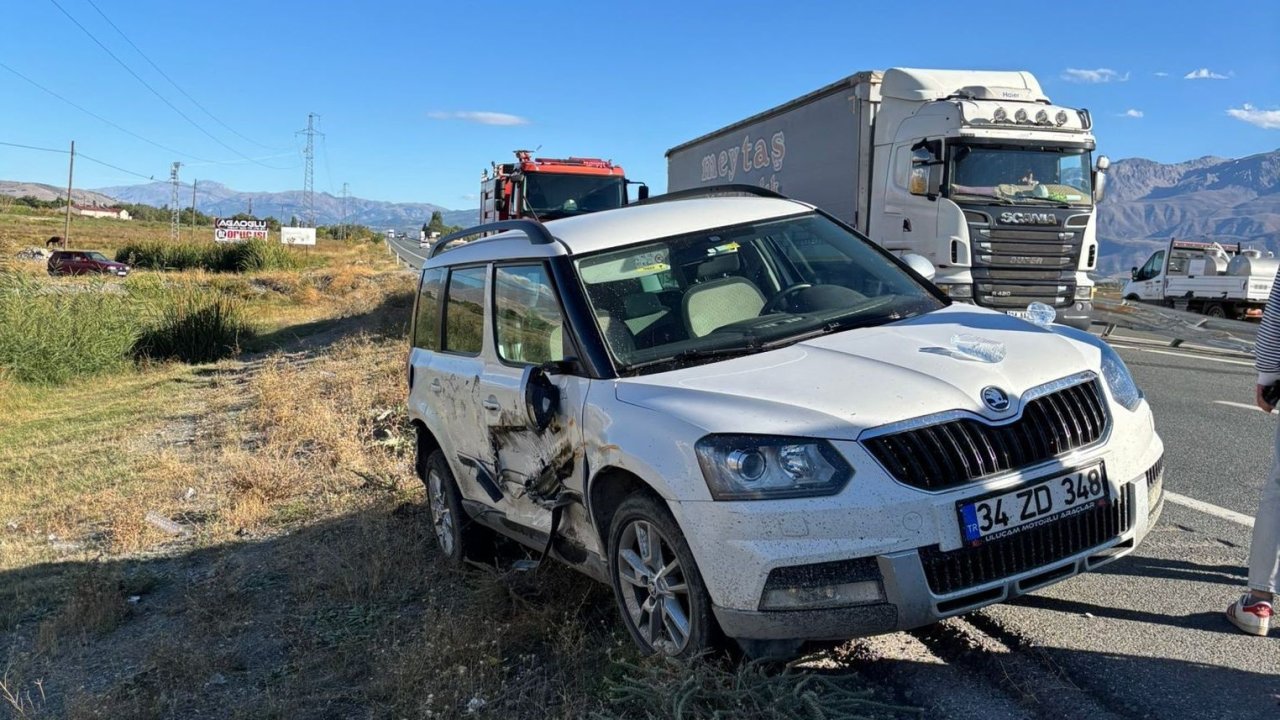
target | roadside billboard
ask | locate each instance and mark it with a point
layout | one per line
(297, 236)
(228, 230)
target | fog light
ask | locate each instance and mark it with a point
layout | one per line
(959, 292)
(1084, 292)
(865, 592)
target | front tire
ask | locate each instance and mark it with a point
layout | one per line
(456, 535)
(660, 592)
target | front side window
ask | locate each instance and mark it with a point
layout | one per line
(97, 256)
(1152, 268)
(742, 289)
(464, 311)
(1021, 175)
(527, 320)
(426, 326)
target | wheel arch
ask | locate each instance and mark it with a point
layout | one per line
(427, 444)
(609, 487)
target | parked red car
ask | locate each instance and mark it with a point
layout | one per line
(84, 262)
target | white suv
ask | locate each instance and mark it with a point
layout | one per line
(750, 420)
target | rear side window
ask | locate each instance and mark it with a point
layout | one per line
(464, 311)
(426, 332)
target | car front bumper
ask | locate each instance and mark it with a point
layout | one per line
(907, 533)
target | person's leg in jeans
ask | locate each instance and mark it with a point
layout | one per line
(1252, 612)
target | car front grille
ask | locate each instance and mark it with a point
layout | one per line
(951, 454)
(956, 570)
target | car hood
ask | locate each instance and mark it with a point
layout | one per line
(838, 385)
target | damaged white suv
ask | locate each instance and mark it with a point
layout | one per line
(753, 422)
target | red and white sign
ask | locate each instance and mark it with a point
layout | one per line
(228, 230)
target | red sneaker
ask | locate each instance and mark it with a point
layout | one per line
(1250, 615)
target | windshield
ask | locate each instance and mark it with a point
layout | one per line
(1021, 175)
(97, 256)
(552, 196)
(741, 289)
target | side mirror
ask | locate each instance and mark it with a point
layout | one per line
(1133, 274)
(1100, 178)
(921, 265)
(643, 192)
(541, 398)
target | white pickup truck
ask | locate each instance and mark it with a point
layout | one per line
(1218, 280)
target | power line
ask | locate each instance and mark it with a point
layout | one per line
(155, 92)
(80, 155)
(173, 83)
(99, 117)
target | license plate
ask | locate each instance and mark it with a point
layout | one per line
(1003, 514)
(1017, 313)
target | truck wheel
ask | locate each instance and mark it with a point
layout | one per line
(456, 535)
(660, 593)
(1215, 310)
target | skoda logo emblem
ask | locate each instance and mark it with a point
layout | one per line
(995, 398)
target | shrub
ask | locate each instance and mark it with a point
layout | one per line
(252, 256)
(49, 337)
(194, 325)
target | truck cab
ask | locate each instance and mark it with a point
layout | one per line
(993, 183)
(549, 188)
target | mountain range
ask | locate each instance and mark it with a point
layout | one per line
(1223, 199)
(1210, 198)
(219, 200)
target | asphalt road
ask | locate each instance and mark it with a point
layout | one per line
(1143, 637)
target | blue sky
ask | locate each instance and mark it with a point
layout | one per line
(416, 98)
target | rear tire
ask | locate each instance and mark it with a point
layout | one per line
(457, 536)
(1215, 310)
(656, 582)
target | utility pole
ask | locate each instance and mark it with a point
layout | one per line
(71, 170)
(250, 206)
(346, 195)
(308, 181)
(174, 214)
(193, 210)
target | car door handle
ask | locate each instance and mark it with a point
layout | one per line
(436, 387)
(491, 404)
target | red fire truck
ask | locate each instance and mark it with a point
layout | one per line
(547, 188)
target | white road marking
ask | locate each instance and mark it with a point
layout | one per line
(1192, 357)
(1209, 508)
(1245, 406)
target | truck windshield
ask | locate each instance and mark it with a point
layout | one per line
(1021, 174)
(743, 289)
(551, 196)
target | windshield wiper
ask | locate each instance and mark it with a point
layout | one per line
(702, 354)
(997, 199)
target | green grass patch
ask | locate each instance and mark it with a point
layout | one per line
(52, 333)
(252, 256)
(49, 337)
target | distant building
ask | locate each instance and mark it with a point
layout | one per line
(101, 212)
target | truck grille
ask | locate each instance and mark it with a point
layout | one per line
(1012, 268)
(948, 572)
(950, 454)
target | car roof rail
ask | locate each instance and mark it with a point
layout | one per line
(714, 191)
(537, 233)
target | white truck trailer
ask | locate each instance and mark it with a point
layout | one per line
(978, 172)
(1216, 279)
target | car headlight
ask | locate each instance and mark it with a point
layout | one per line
(1119, 380)
(754, 467)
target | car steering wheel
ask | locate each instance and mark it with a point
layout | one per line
(775, 304)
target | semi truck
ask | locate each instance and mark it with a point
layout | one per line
(977, 172)
(1216, 279)
(549, 188)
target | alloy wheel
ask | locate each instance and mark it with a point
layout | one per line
(441, 515)
(654, 588)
